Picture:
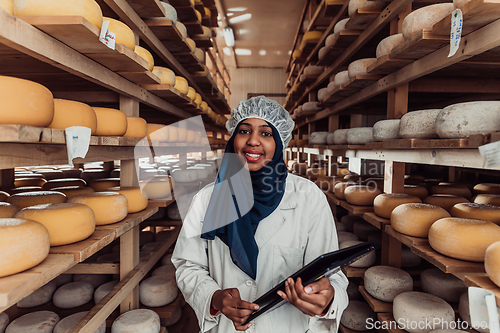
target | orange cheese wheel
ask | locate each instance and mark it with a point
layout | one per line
(70, 191)
(492, 262)
(487, 188)
(158, 187)
(103, 184)
(4, 196)
(166, 75)
(66, 222)
(23, 189)
(477, 211)
(445, 201)
(198, 99)
(314, 173)
(191, 93)
(137, 200)
(464, 239)
(23, 244)
(340, 189)
(384, 203)
(157, 132)
(7, 210)
(418, 191)
(146, 55)
(71, 113)
(136, 128)
(111, 122)
(458, 190)
(124, 35)
(489, 199)
(63, 182)
(181, 84)
(361, 195)
(108, 207)
(22, 182)
(415, 219)
(26, 199)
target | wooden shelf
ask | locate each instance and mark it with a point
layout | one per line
(426, 144)
(419, 45)
(376, 305)
(406, 240)
(129, 222)
(84, 249)
(167, 32)
(386, 64)
(376, 220)
(332, 8)
(160, 202)
(147, 8)
(354, 272)
(362, 18)
(202, 42)
(174, 96)
(342, 42)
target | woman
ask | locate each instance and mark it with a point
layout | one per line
(287, 224)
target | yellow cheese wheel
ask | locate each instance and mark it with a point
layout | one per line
(312, 35)
(384, 203)
(361, 195)
(445, 201)
(137, 200)
(191, 136)
(7, 210)
(341, 172)
(487, 188)
(108, 207)
(181, 84)
(8, 6)
(27, 199)
(199, 54)
(465, 239)
(86, 8)
(492, 262)
(191, 43)
(146, 55)
(198, 14)
(111, 122)
(25, 103)
(71, 113)
(296, 54)
(22, 182)
(314, 173)
(159, 187)
(63, 182)
(124, 35)
(476, 211)
(207, 32)
(182, 133)
(166, 75)
(102, 184)
(23, 244)
(489, 199)
(198, 99)
(136, 128)
(204, 106)
(71, 191)
(4, 196)
(207, 12)
(157, 132)
(182, 29)
(23, 189)
(191, 93)
(415, 219)
(66, 222)
(458, 190)
(418, 191)
(340, 188)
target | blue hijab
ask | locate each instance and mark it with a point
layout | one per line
(233, 192)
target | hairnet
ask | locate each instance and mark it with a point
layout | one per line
(265, 109)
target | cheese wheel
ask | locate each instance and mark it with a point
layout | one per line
(166, 75)
(446, 286)
(311, 107)
(124, 35)
(137, 200)
(166, 259)
(40, 296)
(22, 182)
(327, 183)
(102, 184)
(361, 195)
(89, 9)
(174, 318)
(357, 315)
(353, 291)
(384, 203)
(415, 219)
(359, 67)
(7, 210)
(314, 173)
(25, 103)
(140, 320)
(103, 290)
(418, 191)
(34, 322)
(26, 199)
(425, 18)
(158, 188)
(478, 211)
(354, 5)
(386, 130)
(158, 290)
(63, 182)
(465, 239)
(453, 189)
(342, 78)
(419, 124)
(168, 270)
(296, 54)
(95, 280)
(385, 282)
(420, 308)
(191, 93)
(318, 138)
(170, 12)
(363, 262)
(312, 35)
(207, 12)
(340, 136)
(360, 135)
(110, 122)
(4, 318)
(157, 132)
(492, 262)
(387, 44)
(198, 99)
(204, 106)
(330, 41)
(446, 201)
(487, 188)
(146, 55)
(136, 128)
(71, 113)
(199, 55)
(65, 325)
(8, 6)
(108, 207)
(487, 199)
(73, 294)
(313, 70)
(363, 229)
(345, 236)
(322, 94)
(207, 32)
(63, 279)
(340, 25)
(181, 84)
(191, 43)
(173, 134)
(340, 189)
(70, 191)
(182, 29)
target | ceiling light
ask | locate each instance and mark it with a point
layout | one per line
(262, 52)
(243, 52)
(228, 36)
(237, 9)
(240, 18)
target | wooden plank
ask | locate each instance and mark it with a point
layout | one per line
(362, 18)
(129, 222)
(353, 272)
(368, 145)
(362, 81)
(94, 268)
(453, 85)
(167, 92)
(308, 46)
(186, 13)
(376, 220)
(21, 133)
(359, 210)
(129, 258)
(376, 305)
(332, 8)
(144, 77)
(189, 61)
(342, 41)
(440, 143)
(397, 144)
(406, 240)
(419, 45)
(15, 287)
(193, 27)
(84, 249)
(160, 202)
(386, 65)
(147, 8)
(202, 41)
(483, 281)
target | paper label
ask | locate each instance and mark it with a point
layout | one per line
(456, 31)
(491, 154)
(107, 37)
(77, 142)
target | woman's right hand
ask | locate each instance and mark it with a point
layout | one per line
(229, 302)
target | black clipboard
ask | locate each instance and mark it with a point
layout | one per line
(323, 266)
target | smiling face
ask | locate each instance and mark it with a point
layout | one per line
(254, 141)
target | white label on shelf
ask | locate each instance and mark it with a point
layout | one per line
(77, 142)
(483, 309)
(107, 37)
(491, 154)
(456, 31)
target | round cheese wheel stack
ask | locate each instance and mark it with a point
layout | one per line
(140, 320)
(166, 75)
(387, 44)
(70, 191)
(361, 195)
(363, 229)
(157, 132)
(34, 322)
(418, 191)
(360, 135)
(137, 200)
(103, 184)
(157, 188)
(363, 262)
(23, 200)
(311, 107)
(146, 55)
(35, 108)
(425, 18)
(487, 199)
(110, 122)
(345, 236)
(108, 207)
(415, 219)
(384, 203)
(4, 321)
(476, 211)
(386, 130)
(318, 138)
(354, 5)
(71, 113)
(7, 210)
(32, 181)
(103, 290)
(136, 128)
(181, 84)
(446, 286)
(357, 315)
(458, 190)
(465, 239)
(313, 70)
(340, 189)
(492, 262)
(158, 290)
(40, 296)
(89, 9)
(385, 282)
(168, 270)
(73, 295)
(446, 201)
(487, 188)
(66, 324)
(124, 35)
(66, 222)
(408, 258)
(417, 307)
(340, 136)
(342, 78)
(63, 182)
(174, 318)
(359, 67)
(419, 124)
(95, 280)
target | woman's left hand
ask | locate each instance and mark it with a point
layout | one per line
(312, 299)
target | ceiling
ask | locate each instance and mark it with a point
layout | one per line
(264, 31)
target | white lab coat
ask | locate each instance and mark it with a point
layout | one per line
(298, 231)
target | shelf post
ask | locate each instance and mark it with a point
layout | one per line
(7, 178)
(394, 177)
